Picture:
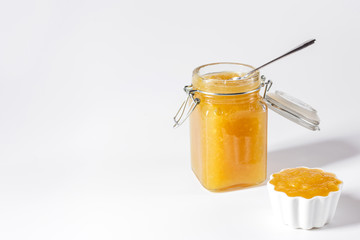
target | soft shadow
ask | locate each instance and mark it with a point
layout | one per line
(311, 155)
(347, 212)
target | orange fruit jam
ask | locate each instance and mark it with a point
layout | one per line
(305, 182)
(228, 133)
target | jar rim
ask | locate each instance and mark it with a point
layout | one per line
(221, 85)
(197, 70)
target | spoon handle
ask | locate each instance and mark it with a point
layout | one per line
(301, 46)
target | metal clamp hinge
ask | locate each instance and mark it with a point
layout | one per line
(267, 85)
(182, 114)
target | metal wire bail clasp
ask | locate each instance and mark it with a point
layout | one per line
(182, 114)
(265, 83)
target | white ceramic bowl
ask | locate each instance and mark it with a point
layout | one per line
(299, 212)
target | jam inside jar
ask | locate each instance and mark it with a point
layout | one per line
(228, 127)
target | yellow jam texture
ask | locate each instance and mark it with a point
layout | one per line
(228, 133)
(305, 182)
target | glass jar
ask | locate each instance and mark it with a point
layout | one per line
(228, 133)
(228, 124)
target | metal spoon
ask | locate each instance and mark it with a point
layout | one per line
(301, 46)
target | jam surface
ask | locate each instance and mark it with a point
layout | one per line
(305, 182)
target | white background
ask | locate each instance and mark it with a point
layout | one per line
(88, 90)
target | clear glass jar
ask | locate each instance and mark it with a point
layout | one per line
(228, 132)
(228, 124)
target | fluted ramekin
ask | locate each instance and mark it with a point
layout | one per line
(300, 212)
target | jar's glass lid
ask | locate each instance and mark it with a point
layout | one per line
(293, 109)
